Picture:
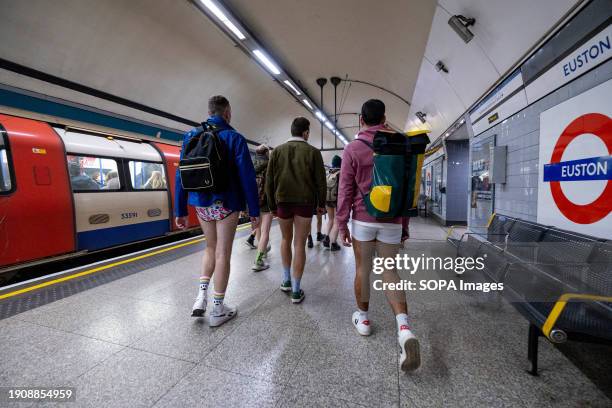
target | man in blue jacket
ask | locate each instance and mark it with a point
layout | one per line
(218, 212)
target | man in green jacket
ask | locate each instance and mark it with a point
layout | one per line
(295, 185)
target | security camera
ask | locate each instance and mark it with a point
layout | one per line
(460, 24)
(441, 67)
(421, 116)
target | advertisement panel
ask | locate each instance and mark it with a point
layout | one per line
(575, 167)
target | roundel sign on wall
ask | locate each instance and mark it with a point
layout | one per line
(574, 186)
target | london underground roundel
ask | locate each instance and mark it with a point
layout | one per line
(592, 168)
(575, 164)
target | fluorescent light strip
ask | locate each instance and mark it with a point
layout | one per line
(293, 88)
(329, 125)
(267, 62)
(320, 116)
(307, 103)
(223, 18)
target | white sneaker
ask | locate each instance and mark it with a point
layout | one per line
(199, 307)
(410, 357)
(218, 317)
(362, 325)
(260, 266)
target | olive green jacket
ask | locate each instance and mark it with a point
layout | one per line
(296, 175)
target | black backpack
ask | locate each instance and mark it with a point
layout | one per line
(204, 166)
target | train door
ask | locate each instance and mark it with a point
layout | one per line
(36, 213)
(119, 190)
(172, 155)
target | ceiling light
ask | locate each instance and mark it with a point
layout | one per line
(462, 121)
(267, 62)
(307, 103)
(293, 88)
(460, 24)
(329, 125)
(320, 115)
(223, 18)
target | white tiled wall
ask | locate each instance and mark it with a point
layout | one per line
(520, 132)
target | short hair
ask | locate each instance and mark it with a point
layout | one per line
(217, 105)
(299, 126)
(373, 112)
(262, 149)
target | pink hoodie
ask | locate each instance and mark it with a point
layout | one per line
(355, 180)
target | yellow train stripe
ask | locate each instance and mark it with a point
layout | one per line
(107, 266)
(557, 309)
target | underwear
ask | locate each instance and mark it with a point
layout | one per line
(214, 212)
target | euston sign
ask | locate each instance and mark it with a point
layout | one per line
(591, 53)
(575, 187)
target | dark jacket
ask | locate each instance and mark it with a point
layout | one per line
(242, 188)
(296, 175)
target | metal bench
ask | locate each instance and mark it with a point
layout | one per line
(560, 281)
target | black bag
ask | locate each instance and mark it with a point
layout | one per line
(205, 166)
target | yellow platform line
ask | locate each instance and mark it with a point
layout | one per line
(557, 309)
(107, 266)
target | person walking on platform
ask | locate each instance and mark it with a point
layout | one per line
(370, 235)
(331, 201)
(295, 184)
(218, 211)
(320, 235)
(262, 157)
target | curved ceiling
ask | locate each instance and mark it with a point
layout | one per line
(165, 54)
(504, 31)
(168, 55)
(381, 43)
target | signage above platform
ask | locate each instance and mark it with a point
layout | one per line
(587, 56)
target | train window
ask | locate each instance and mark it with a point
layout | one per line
(6, 184)
(5, 176)
(93, 173)
(147, 176)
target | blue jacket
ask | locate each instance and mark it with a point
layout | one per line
(242, 188)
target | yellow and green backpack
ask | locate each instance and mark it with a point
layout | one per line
(398, 159)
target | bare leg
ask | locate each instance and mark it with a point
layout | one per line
(226, 230)
(302, 228)
(209, 229)
(331, 212)
(286, 227)
(396, 298)
(364, 252)
(333, 235)
(264, 236)
(257, 233)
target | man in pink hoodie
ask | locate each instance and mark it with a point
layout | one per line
(371, 235)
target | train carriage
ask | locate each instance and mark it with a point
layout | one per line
(87, 190)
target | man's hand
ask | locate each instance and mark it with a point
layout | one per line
(254, 223)
(321, 210)
(345, 237)
(181, 222)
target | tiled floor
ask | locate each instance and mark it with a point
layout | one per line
(132, 343)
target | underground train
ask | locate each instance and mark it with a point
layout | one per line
(66, 191)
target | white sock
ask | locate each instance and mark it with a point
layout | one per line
(402, 322)
(363, 315)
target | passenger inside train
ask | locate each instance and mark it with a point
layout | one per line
(265, 203)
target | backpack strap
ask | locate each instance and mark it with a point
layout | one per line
(370, 145)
